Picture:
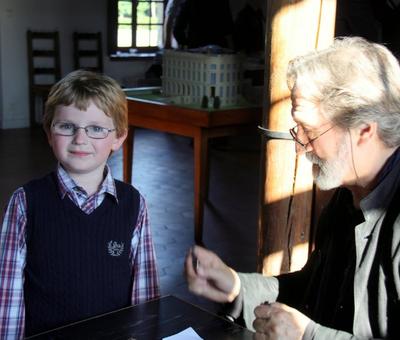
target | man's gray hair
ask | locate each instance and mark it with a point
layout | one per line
(352, 82)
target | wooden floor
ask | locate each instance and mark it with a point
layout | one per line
(163, 173)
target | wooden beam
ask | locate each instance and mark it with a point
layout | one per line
(292, 28)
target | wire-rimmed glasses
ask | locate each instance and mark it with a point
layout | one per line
(70, 129)
(294, 131)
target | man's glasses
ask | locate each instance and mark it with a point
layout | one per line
(295, 131)
(70, 129)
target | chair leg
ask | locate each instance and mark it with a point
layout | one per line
(43, 100)
(32, 116)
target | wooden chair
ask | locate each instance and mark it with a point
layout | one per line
(88, 51)
(44, 67)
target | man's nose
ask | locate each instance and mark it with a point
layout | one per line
(300, 149)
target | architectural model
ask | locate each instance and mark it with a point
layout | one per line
(202, 77)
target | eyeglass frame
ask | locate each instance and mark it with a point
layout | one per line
(77, 127)
(294, 134)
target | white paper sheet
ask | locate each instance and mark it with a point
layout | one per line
(186, 334)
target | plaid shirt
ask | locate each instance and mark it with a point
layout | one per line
(13, 251)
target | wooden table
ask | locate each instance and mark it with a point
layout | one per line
(148, 109)
(152, 320)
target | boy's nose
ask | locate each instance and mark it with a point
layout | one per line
(80, 136)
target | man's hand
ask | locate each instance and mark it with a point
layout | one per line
(278, 321)
(208, 276)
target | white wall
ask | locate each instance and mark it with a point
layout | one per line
(66, 16)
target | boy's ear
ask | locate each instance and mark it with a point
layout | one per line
(118, 141)
(49, 139)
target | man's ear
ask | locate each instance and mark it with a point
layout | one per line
(366, 132)
(119, 141)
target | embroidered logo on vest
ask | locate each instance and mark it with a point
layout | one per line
(115, 248)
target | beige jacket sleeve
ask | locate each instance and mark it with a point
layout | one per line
(256, 289)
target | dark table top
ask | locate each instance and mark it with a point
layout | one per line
(152, 320)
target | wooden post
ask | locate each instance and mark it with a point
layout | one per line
(292, 28)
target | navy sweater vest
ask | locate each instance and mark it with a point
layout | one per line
(77, 265)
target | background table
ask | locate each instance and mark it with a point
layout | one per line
(147, 108)
(152, 320)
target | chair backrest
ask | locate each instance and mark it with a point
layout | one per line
(88, 51)
(44, 64)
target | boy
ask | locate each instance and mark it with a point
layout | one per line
(76, 243)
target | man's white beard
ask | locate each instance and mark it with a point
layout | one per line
(329, 174)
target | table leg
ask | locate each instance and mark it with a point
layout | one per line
(128, 155)
(200, 178)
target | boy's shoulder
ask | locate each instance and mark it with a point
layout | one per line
(125, 187)
(37, 183)
(129, 198)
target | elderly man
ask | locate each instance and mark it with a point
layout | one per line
(346, 105)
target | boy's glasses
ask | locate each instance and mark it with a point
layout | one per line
(295, 131)
(69, 129)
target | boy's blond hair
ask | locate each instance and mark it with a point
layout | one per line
(80, 88)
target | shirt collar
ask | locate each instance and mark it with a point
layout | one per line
(389, 165)
(376, 202)
(67, 184)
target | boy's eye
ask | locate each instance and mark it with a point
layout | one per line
(66, 126)
(95, 128)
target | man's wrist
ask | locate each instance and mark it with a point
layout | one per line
(236, 286)
(233, 310)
